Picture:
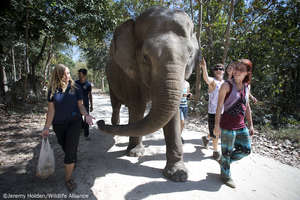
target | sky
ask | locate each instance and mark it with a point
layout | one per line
(76, 53)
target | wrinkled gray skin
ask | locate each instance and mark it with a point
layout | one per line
(149, 60)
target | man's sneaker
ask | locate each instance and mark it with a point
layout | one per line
(228, 181)
(205, 141)
(216, 155)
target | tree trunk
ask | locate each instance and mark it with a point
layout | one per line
(102, 83)
(3, 81)
(192, 11)
(13, 65)
(227, 33)
(38, 58)
(50, 55)
(20, 73)
(46, 72)
(198, 70)
(2, 90)
(209, 32)
(27, 70)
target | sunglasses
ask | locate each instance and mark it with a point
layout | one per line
(218, 69)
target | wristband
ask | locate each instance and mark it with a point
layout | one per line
(45, 128)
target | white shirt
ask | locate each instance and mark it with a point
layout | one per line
(213, 97)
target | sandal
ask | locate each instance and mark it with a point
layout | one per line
(71, 185)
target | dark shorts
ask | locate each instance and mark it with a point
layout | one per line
(183, 112)
(67, 135)
(211, 124)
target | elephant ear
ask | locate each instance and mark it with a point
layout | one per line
(124, 48)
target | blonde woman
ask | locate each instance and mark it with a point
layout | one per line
(65, 107)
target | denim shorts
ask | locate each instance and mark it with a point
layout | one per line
(183, 112)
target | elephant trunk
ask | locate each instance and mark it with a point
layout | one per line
(165, 95)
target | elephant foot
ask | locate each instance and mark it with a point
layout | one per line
(115, 121)
(136, 151)
(176, 172)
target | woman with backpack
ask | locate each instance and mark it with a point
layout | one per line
(235, 136)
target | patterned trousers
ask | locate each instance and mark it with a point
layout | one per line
(235, 144)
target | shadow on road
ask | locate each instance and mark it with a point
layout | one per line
(96, 160)
(211, 184)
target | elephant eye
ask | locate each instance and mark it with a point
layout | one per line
(191, 52)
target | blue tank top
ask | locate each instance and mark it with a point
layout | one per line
(235, 103)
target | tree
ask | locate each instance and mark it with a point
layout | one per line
(227, 33)
(198, 70)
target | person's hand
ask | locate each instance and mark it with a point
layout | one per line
(254, 99)
(203, 63)
(217, 131)
(91, 109)
(45, 132)
(89, 119)
(251, 130)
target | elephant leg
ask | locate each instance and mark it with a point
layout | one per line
(116, 105)
(135, 147)
(175, 169)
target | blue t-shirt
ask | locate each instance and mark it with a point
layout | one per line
(65, 104)
(86, 87)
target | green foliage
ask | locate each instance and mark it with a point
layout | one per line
(275, 57)
(65, 59)
(266, 32)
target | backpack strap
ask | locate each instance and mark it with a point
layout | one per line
(228, 93)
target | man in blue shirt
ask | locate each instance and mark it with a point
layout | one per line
(87, 97)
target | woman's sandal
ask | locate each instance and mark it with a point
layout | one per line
(71, 185)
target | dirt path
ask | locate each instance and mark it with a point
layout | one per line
(105, 173)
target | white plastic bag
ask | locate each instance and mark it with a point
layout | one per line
(46, 163)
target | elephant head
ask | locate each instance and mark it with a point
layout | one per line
(159, 50)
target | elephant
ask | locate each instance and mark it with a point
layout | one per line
(149, 59)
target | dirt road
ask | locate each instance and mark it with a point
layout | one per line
(105, 173)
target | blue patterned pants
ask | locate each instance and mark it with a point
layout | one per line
(235, 144)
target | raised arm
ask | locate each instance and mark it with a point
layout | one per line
(209, 80)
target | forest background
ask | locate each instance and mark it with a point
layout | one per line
(37, 34)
